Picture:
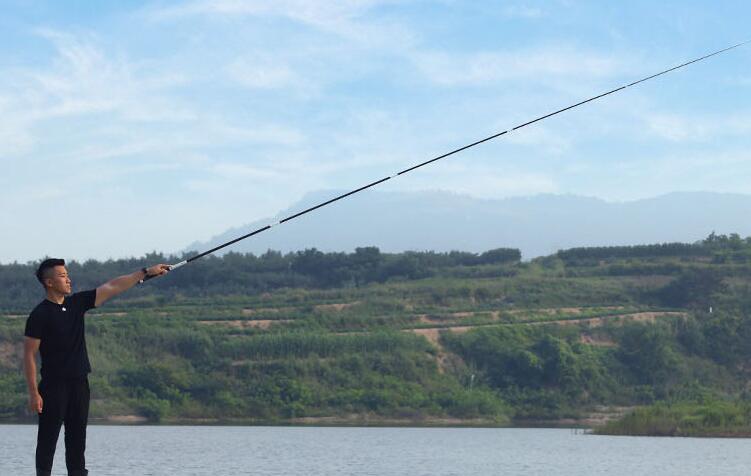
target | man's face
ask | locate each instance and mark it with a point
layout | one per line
(58, 280)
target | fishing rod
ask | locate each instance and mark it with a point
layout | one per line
(455, 151)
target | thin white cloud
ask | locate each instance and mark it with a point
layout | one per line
(515, 184)
(492, 67)
(683, 128)
(481, 181)
(522, 11)
(15, 135)
(739, 81)
(541, 137)
(340, 17)
(262, 73)
(219, 132)
(81, 81)
(145, 117)
(316, 13)
(707, 170)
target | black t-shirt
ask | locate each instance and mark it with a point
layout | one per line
(61, 329)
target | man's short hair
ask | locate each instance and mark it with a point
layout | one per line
(46, 265)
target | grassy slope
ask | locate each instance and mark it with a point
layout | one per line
(707, 418)
(450, 348)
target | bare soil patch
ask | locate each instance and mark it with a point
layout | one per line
(365, 419)
(271, 310)
(595, 340)
(443, 359)
(425, 319)
(599, 321)
(241, 324)
(651, 316)
(335, 306)
(434, 333)
(603, 414)
(126, 419)
(573, 311)
(429, 319)
(595, 418)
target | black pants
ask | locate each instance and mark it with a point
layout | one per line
(63, 402)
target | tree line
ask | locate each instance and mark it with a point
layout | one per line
(237, 273)
(720, 248)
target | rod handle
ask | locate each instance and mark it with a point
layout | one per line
(171, 267)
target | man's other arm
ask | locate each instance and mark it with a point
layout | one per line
(119, 285)
(30, 349)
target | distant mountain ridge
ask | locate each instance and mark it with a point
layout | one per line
(537, 225)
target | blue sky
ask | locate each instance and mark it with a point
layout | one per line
(127, 127)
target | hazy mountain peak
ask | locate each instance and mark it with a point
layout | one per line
(538, 225)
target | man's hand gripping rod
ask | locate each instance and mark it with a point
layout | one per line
(169, 268)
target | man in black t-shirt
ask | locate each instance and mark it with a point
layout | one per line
(55, 329)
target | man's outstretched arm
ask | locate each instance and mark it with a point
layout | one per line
(110, 289)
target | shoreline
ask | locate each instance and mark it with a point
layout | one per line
(329, 422)
(348, 421)
(298, 422)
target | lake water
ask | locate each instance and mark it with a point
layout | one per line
(309, 451)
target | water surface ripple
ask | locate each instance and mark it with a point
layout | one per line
(310, 451)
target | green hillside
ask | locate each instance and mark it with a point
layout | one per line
(427, 338)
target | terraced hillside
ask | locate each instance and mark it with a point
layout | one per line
(572, 337)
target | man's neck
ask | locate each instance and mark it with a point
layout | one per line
(55, 297)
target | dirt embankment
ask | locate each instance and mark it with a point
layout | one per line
(618, 318)
(595, 418)
(374, 420)
(125, 419)
(265, 310)
(432, 333)
(339, 306)
(242, 324)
